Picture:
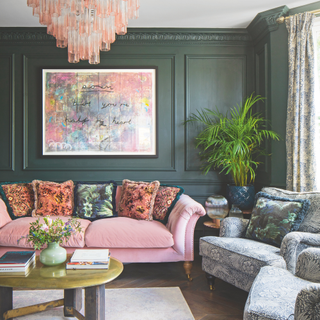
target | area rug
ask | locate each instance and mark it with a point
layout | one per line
(121, 304)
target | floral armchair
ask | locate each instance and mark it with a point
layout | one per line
(278, 294)
(236, 259)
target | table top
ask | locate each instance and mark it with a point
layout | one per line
(57, 277)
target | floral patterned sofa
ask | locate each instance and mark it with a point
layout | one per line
(138, 221)
(278, 294)
(266, 264)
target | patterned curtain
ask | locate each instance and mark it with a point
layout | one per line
(300, 131)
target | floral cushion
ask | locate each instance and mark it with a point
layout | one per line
(18, 197)
(273, 217)
(51, 198)
(166, 198)
(95, 200)
(137, 199)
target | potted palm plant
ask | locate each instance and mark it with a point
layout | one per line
(232, 143)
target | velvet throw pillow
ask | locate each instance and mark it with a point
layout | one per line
(137, 199)
(166, 198)
(95, 200)
(51, 198)
(273, 217)
(18, 197)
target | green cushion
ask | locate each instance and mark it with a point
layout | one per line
(95, 200)
(273, 217)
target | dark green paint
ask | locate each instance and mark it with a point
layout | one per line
(196, 68)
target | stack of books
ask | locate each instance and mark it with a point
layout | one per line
(17, 262)
(89, 259)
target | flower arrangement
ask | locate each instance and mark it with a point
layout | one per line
(51, 231)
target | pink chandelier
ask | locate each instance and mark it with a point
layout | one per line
(85, 26)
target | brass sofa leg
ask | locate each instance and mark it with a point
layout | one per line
(187, 265)
(210, 280)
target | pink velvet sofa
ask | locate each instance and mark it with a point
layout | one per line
(129, 240)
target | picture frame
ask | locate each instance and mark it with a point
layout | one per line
(99, 112)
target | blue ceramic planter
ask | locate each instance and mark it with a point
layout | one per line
(242, 196)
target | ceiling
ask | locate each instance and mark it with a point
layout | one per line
(168, 13)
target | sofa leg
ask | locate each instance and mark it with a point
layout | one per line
(187, 265)
(210, 280)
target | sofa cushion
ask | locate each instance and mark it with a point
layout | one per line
(13, 231)
(51, 198)
(137, 199)
(166, 198)
(18, 197)
(95, 200)
(122, 232)
(311, 221)
(4, 216)
(273, 217)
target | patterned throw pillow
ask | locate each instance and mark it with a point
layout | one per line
(51, 198)
(137, 199)
(18, 197)
(166, 198)
(273, 217)
(95, 200)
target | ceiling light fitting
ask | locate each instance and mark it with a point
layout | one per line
(85, 26)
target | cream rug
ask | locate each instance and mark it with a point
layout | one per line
(121, 304)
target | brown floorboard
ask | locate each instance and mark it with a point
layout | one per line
(226, 302)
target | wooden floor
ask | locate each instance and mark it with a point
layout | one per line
(224, 303)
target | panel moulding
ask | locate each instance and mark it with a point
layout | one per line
(242, 58)
(11, 152)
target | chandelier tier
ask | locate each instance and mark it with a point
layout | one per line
(85, 26)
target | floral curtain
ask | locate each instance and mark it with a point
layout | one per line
(300, 131)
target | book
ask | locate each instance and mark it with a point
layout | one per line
(90, 255)
(87, 265)
(8, 272)
(16, 259)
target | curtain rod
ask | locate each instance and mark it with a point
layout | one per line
(282, 19)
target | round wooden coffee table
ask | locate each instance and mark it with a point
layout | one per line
(57, 277)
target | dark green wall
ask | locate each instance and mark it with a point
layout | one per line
(270, 42)
(196, 68)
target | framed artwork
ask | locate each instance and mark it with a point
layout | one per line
(101, 112)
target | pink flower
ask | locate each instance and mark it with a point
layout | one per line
(45, 228)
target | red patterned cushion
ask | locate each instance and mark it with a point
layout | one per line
(165, 200)
(51, 198)
(137, 199)
(19, 198)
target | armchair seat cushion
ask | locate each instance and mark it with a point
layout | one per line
(225, 257)
(273, 295)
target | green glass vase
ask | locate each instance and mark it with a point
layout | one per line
(53, 254)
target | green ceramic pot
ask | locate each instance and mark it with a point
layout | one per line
(53, 254)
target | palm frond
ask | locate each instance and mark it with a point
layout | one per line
(229, 142)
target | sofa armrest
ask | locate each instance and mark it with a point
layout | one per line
(4, 215)
(294, 243)
(307, 303)
(181, 223)
(308, 265)
(232, 227)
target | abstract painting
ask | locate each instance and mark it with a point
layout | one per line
(99, 112)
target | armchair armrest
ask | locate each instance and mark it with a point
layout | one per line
(294, 243)
(307, 302)
(181, 223)
(308, 265)
(232, 227)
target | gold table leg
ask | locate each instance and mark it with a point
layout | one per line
(18, 312)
